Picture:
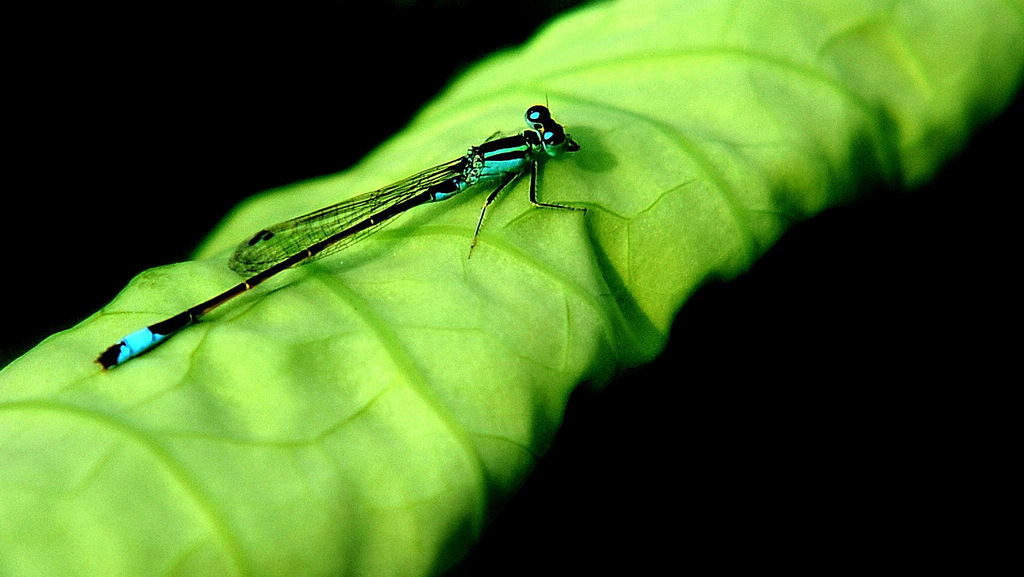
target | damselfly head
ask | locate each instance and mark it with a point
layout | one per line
(553, 139)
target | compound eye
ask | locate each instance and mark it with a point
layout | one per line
(553, 136)
(553, 140)
(537, 116)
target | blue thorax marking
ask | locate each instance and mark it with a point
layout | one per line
(489, 161)
(505, 156)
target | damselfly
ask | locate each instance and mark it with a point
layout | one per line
(328, 230)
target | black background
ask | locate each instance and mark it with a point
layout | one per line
(863, 426)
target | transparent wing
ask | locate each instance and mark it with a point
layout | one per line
(273, 245)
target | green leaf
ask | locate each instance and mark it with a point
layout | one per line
(364, 414)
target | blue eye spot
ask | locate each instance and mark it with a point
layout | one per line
(537, 116)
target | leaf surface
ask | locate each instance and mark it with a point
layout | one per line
(361, 415)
